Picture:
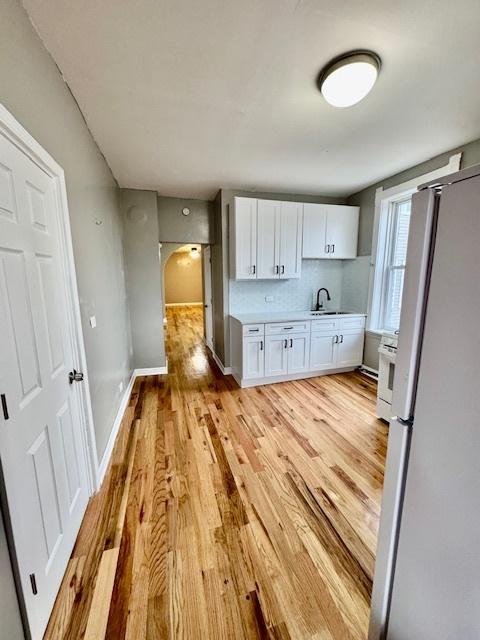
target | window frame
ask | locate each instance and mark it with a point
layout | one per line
(385, 199)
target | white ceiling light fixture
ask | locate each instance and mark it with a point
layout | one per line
(346, 80)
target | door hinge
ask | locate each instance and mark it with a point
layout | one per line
(4, 406)
(33, 582)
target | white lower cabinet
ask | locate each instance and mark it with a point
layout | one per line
(253, 357)
(296, 349)
(350, 348)
(323, 351)
(276, 355)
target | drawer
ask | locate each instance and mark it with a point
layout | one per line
(287, 327)
(326, 324)
(357, 322)
(253, 329)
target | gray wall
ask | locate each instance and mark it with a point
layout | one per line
(173, 226)
(32, 89)
(143, 275)
(366, 199)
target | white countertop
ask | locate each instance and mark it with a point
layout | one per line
(263, 317)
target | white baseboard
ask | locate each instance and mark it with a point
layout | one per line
(225, 370)
(107, 454)
(184, 304)
(103, 466)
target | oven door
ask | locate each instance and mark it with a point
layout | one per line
(386, 373)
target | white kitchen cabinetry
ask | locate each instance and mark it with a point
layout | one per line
(253, 357)
(330, 231)
(279, 351)
(244, 230)
(266, 239)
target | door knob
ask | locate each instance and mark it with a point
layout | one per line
(75, 376)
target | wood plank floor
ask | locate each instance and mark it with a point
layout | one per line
(230, 513)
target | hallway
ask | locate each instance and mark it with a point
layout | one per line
(230, 513)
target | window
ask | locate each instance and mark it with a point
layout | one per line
(394, 265)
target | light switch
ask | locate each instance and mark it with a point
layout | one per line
(93, 322)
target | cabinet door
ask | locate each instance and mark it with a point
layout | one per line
(268, 234)
(350, 348)
(245, 239)
(253, 357)
(314, 231)
(342, 231)
(298, 353)
(276, 355)
(291, 226)
(323, 351)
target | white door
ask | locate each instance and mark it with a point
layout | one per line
(268, 230)
(42, 454)
(276, 355)
(298, 353)
(253, 357)
(323, 351)
(291, 225)
(245, 238)
(207, 288)
(350, 348)
(314, 231)
(342, 231)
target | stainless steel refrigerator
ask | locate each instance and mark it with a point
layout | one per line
(427, 572)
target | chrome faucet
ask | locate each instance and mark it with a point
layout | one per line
(319, 306)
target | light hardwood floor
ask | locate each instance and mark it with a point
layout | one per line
(230, 513)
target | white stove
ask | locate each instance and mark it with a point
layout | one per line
(386, 372)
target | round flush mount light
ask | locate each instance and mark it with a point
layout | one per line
(186, 211)
(346, 80)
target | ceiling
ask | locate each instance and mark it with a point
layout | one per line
(186, 96)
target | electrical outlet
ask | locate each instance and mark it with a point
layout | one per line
(93, 322)
(268, 298)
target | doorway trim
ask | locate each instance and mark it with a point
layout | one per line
(17, 135)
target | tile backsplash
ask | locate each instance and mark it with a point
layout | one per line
(289, 295)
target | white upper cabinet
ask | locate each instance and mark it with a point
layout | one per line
(291, 226)
(266, 239)
(330, 231)
(243, 252)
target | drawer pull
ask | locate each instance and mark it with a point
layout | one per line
(252, 330)
(261, 345)
(287, 328)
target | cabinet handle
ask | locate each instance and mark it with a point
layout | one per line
(254, 269)
(327, 248)
(261, 345)
(335, 339)
(291, 343)
(283, 269)
(276, 269)
(341, 341)
(285, 344)
(333, 248)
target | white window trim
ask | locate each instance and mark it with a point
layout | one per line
(383, 201)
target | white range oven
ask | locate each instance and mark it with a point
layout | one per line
(386, 372)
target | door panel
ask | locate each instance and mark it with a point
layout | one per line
(245, 238)
(276, 355)
(291, 225)
(253, 357)
(299, 353)
(268, 230)
(41, 444)
(350, 348)
(314, 231)
(208, 302)
(342, 231)
(323, 351)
